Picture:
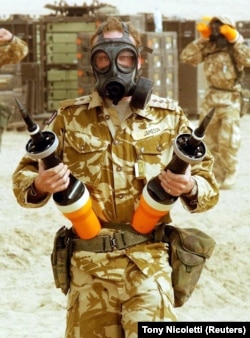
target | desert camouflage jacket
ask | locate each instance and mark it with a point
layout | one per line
(218, 65)
(106, 164)
(13, 52)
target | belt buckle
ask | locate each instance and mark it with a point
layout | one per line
(118, 241)
(113, 243)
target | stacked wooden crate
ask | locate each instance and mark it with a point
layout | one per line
(161, 65)
(59, 57)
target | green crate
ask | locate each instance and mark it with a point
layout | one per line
(62, 94)
(63, 47)
(61, 38)
(61, 58)
(61, 75)
(52, 105)
(55, 85)
(74, 26)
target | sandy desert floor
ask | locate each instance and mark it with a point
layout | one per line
(31, 306)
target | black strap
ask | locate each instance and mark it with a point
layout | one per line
(239, 73)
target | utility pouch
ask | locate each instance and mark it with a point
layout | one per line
(188, 250)
(60, 258)
(245, 101)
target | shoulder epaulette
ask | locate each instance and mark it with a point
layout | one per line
(75, 102)
(162, 102)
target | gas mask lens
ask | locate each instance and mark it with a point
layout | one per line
(126, 61)
(101, 61)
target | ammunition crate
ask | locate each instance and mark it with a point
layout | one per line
(62, 94)
(244, 28)
(85, 81)
(61, 84)
(161, 65)
(83, 50)
(187, 94)
(61, 75)
(32, 87)
(160, 41)
(59, 55)
(10, 69)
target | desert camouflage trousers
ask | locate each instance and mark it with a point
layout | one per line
(223, 135)
(111, 293)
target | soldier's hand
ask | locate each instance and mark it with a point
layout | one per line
(5, 35)
(51, 180)
(176, 184)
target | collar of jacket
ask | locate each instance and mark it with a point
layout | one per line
(97, 101)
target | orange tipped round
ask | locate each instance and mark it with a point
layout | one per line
(84, 221)
(146, 217)
(82, 216)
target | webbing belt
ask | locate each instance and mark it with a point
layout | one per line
(107, 243)
(119, 240)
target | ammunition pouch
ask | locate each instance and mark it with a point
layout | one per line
(60, 258)
(188, 250)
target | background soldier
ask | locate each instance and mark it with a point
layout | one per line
(12, 50)
(222, 50)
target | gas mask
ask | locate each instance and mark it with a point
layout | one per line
(115, 66)
(216, 37)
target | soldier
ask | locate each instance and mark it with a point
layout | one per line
(102, 137)
(224, 54)
(12, 50)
